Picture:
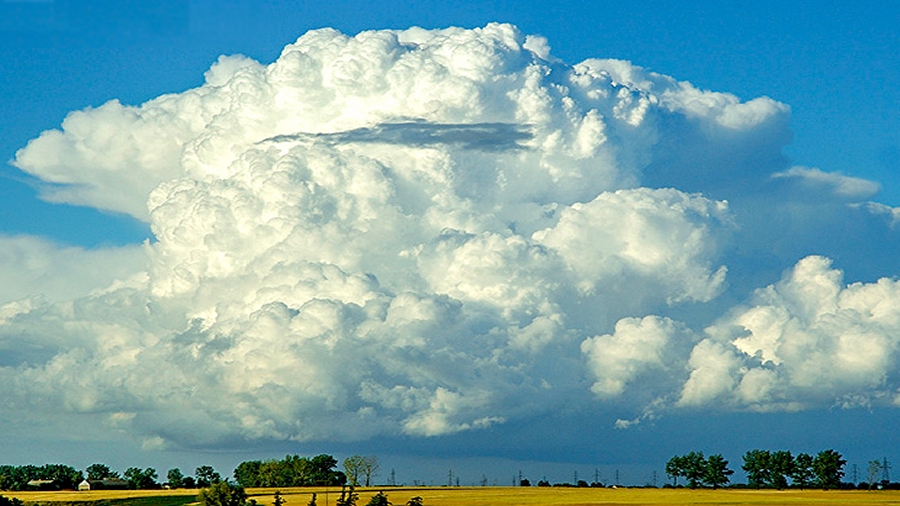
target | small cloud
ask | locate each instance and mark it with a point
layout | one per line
(847, 187)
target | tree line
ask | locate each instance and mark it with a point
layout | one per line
(764, 468)
(291, 471)
(64, 477)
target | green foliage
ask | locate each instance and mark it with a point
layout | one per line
(802, 472)
(771, 469)
(175, 478)
(694, 468)
(247, 473)
(292, 471)
(828, 468)
(10, 501)
(415, 501)
(782, 463)
(223, 494)
(141, 479)
(312, 500)
(757, 465)
(675, 468)
(100, 472)
(379, 499)
(206, 476)
(697, 469)
(717, 471)
(278, 500)
(17, 477)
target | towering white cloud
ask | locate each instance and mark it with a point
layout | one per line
(805, 341)
(419, 232)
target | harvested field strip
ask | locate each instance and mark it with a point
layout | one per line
(486, 496)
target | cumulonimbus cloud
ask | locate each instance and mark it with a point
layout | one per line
(419, 232)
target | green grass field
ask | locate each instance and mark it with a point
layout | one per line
(487, 496)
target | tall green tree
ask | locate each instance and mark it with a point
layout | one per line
(141, 479)
(246, 474)
(206, 476)
(802, 472)
(323, 471)
(694, 468)
(757, 466)
(781, 465)
(675, 468)
(828, 466)
(175, 478)
(717, 471)
(100, 472)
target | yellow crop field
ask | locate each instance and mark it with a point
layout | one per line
(513, 496)
(96, 495)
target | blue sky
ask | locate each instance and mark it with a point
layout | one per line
(830, 62)
(809, 176)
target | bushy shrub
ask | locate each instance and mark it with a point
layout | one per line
(10, 501)
(379, 499)
(223, 494)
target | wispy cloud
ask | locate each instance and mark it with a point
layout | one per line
(478, 136)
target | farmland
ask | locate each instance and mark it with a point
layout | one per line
(493, 496)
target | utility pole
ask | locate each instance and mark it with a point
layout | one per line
(886, 471)
(596, 475)
(575, 478)
(617, 477)
(854, 474)
(450, 478)
(393, 478)
(654, 479)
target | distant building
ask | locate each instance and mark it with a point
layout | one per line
(43, 485)
(106, 484)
